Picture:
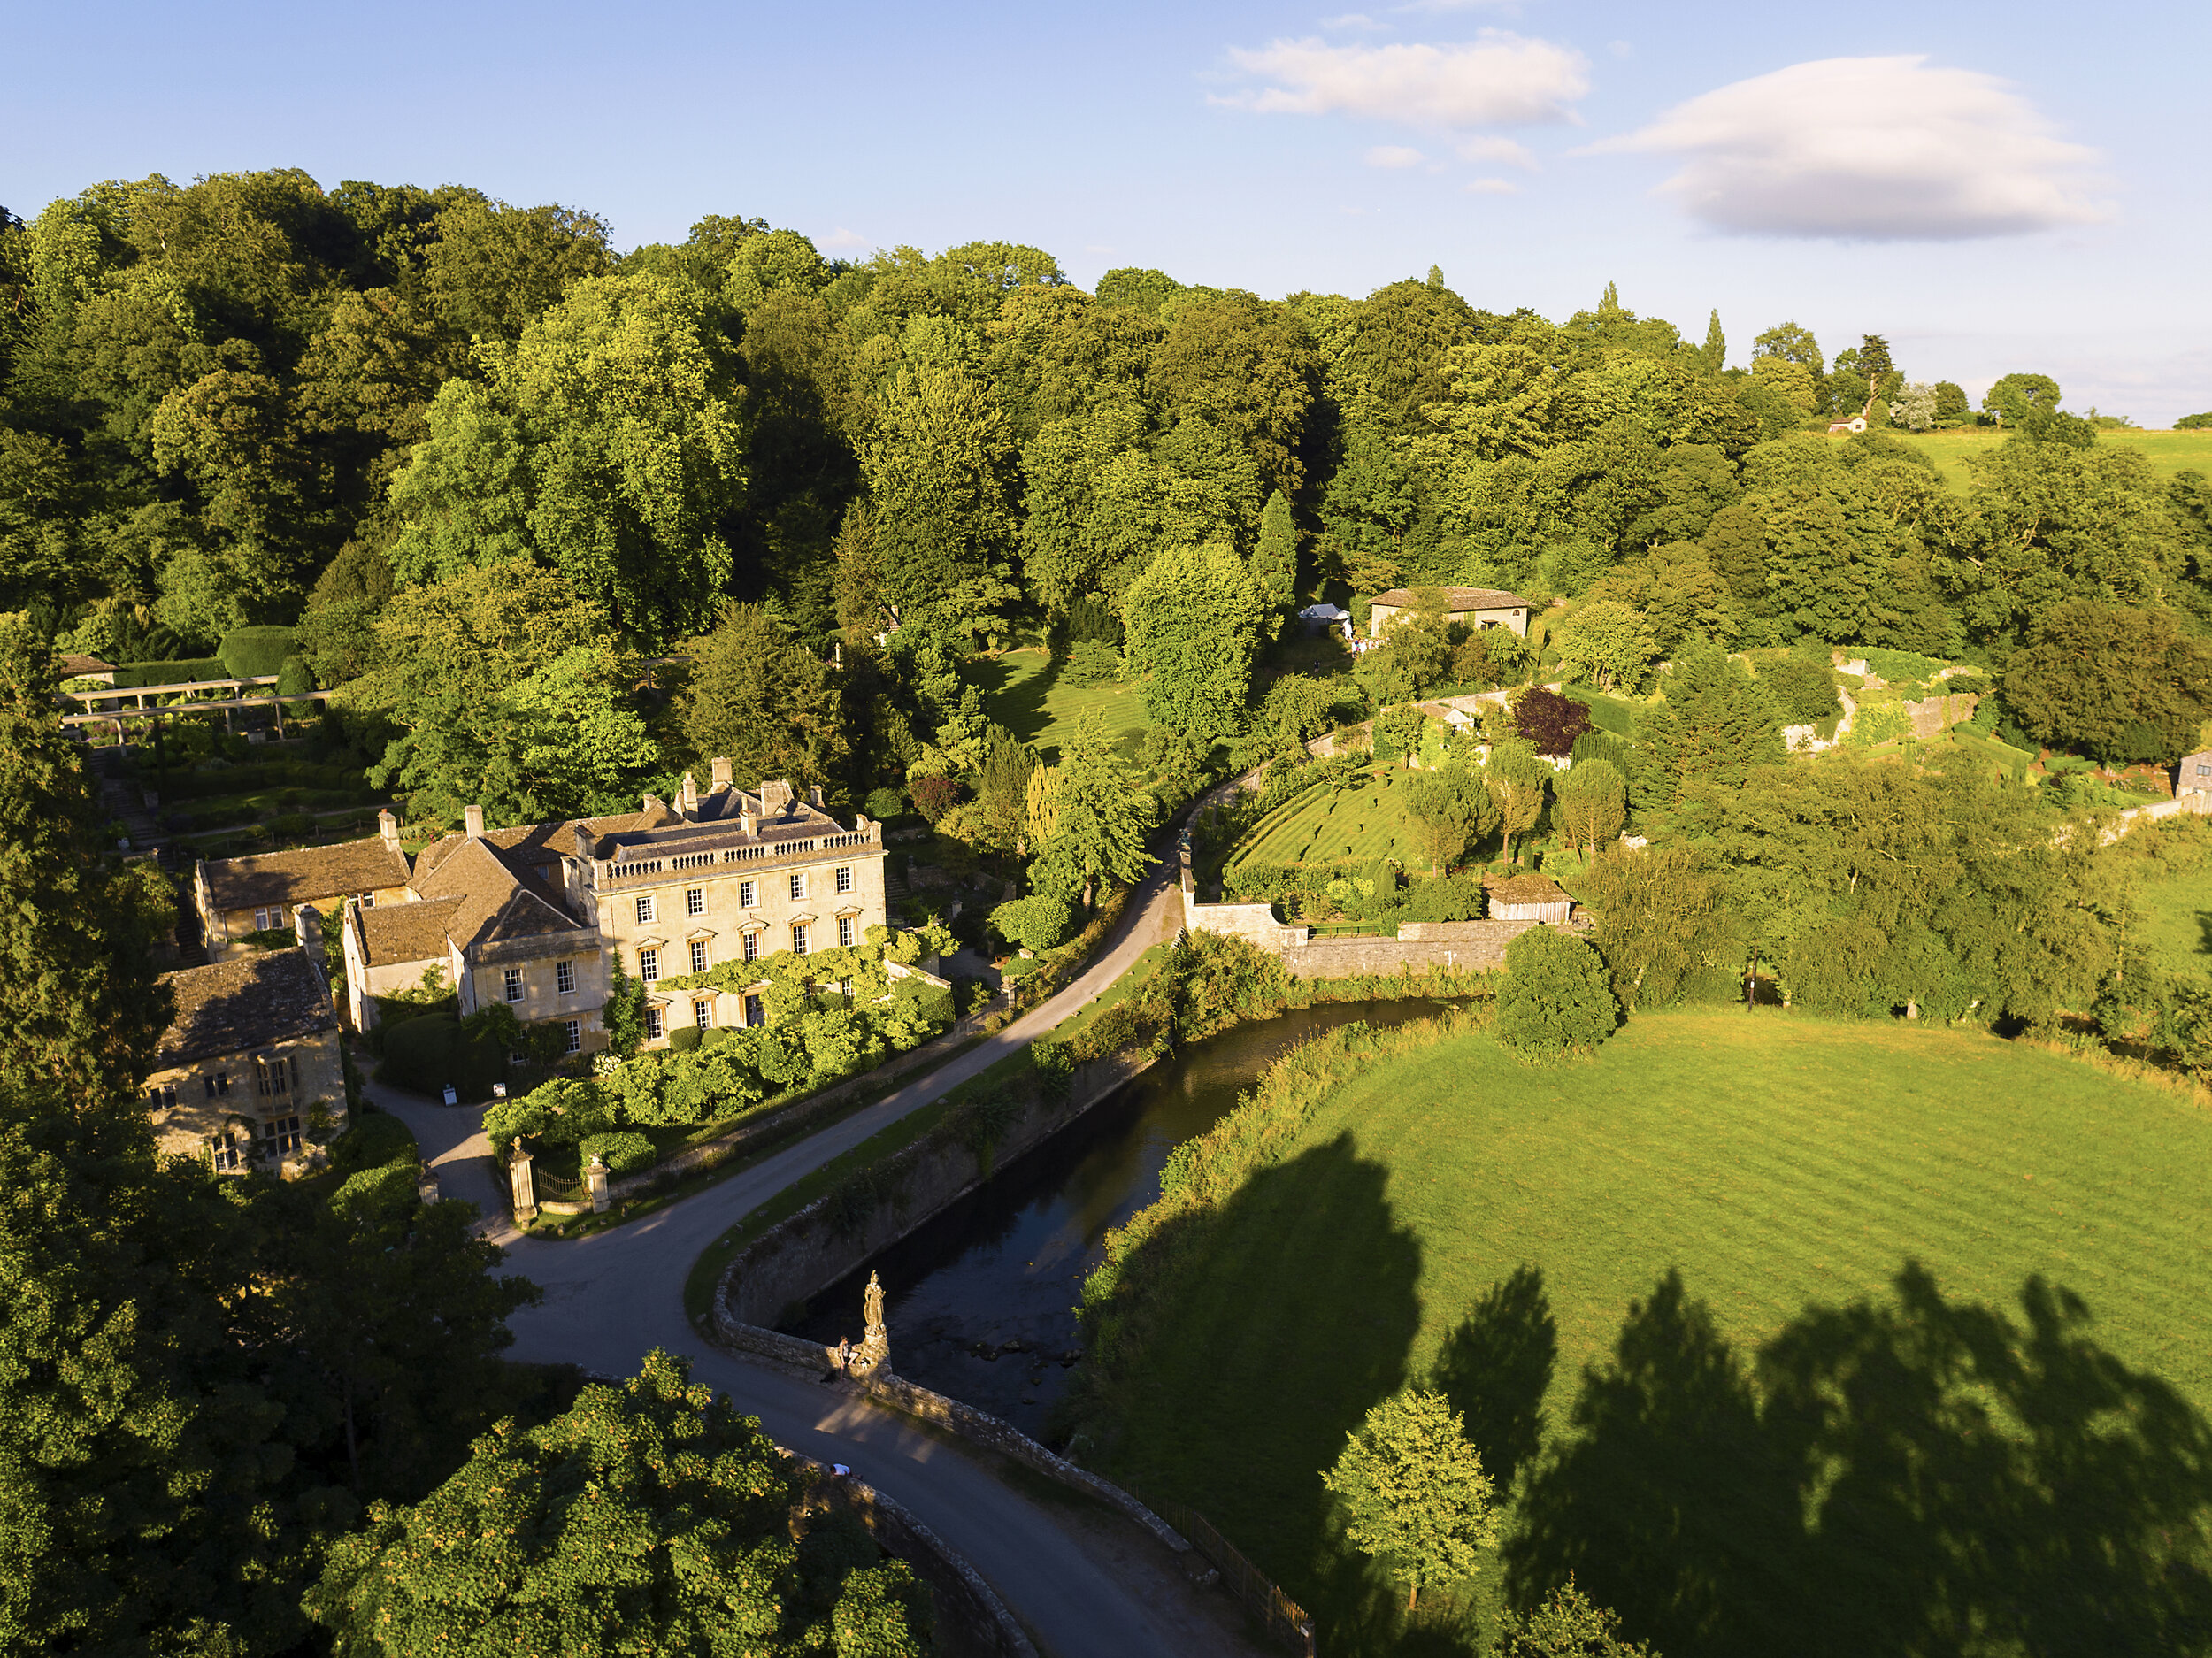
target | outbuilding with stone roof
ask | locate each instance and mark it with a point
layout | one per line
(239, 896)
(1469, 607)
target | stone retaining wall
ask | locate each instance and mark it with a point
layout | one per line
(804, 1255)
(796, 1357)
(972, 1621)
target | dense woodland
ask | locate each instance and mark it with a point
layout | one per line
(487, 463)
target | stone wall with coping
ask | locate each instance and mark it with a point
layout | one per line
(802, 1255)
(796, 1357)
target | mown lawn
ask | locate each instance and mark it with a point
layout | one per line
(2177, 921)
(1023, 692)
(1331, 824)
(1775, 1161)
(2169, 452)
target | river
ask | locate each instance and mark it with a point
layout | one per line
(980, 1300)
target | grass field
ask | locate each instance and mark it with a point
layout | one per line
(1436, 1211)
(2177, 921)
(2169, 452)
(1330, 823)
(1022, 691)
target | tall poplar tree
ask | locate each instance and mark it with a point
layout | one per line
(1275, 560)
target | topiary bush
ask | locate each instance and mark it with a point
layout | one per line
(1556, 995)
(884, 805)
(684, 1038)
(623, 1154)
(253, 653)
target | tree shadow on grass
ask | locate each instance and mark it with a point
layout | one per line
(1911, 1476)
(1020, 707)
(1253, 1338)
(1495, 1366)
(2204, 931)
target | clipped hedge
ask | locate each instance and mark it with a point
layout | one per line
(425, 1054)
(254, 652)
(132, 675)
(623, 1154)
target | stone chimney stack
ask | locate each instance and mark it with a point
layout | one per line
(388, 828)
(472, 820)
(815, 794)
(307, 927)
(748, 818)
(689, 797)
(652, 804)
(722, 772)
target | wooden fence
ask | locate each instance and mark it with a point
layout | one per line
(1282, 1617)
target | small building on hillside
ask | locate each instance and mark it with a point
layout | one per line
(90, 668)
(249, 1067)
(1844, 428)
(236, 896)
(1473, 607)
(2193, 775)
(1327, 618)
(1530, 897)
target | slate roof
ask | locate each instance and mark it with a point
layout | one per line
(1530, 888)
(391, 933)
(1457, 599)
(247, 1002)
(307, 875)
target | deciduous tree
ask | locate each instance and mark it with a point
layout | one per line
(1556, 997)
(1413, 1493)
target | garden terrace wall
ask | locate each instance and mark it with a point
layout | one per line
(804, 1255)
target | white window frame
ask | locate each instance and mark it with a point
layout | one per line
(698, 955)
(510, 983)
(703, 1013)
(695, 900)
(564, 979)
(655, 1025)
(798, 888)
(224, 1153)
(649, 965)
(748, 896)
(844, 933)
(752, 944)
(844, 878)
(798, 938)
(644, 909)
(572, 1036)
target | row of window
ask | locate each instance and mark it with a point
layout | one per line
(276, 1077)
(648, 958)
(278, 1137)
(752, 1010)
(748, 896)
(564, 980)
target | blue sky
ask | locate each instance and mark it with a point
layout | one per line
(1993, 187)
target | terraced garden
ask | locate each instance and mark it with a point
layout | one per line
(1334, 823)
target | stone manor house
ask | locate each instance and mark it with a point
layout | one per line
(534, 917)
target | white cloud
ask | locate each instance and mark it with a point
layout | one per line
(1394, 156)
(1431, 7)
(1352, 20)
(843, 241)
(1873, 149)
(1498, 79)
(1492, 186)
(1493, 149)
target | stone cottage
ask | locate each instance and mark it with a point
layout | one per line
(250, 1066)
(235, 896)
(1471, 607)
(2194, 775)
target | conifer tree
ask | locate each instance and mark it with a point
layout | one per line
(1275, 560)
(1715, 355)
(1713, 723)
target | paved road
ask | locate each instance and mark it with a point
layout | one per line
(613, 1296)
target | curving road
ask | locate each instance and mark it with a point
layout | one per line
(1083, 1590)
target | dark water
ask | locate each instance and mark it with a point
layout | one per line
(980, 1301)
